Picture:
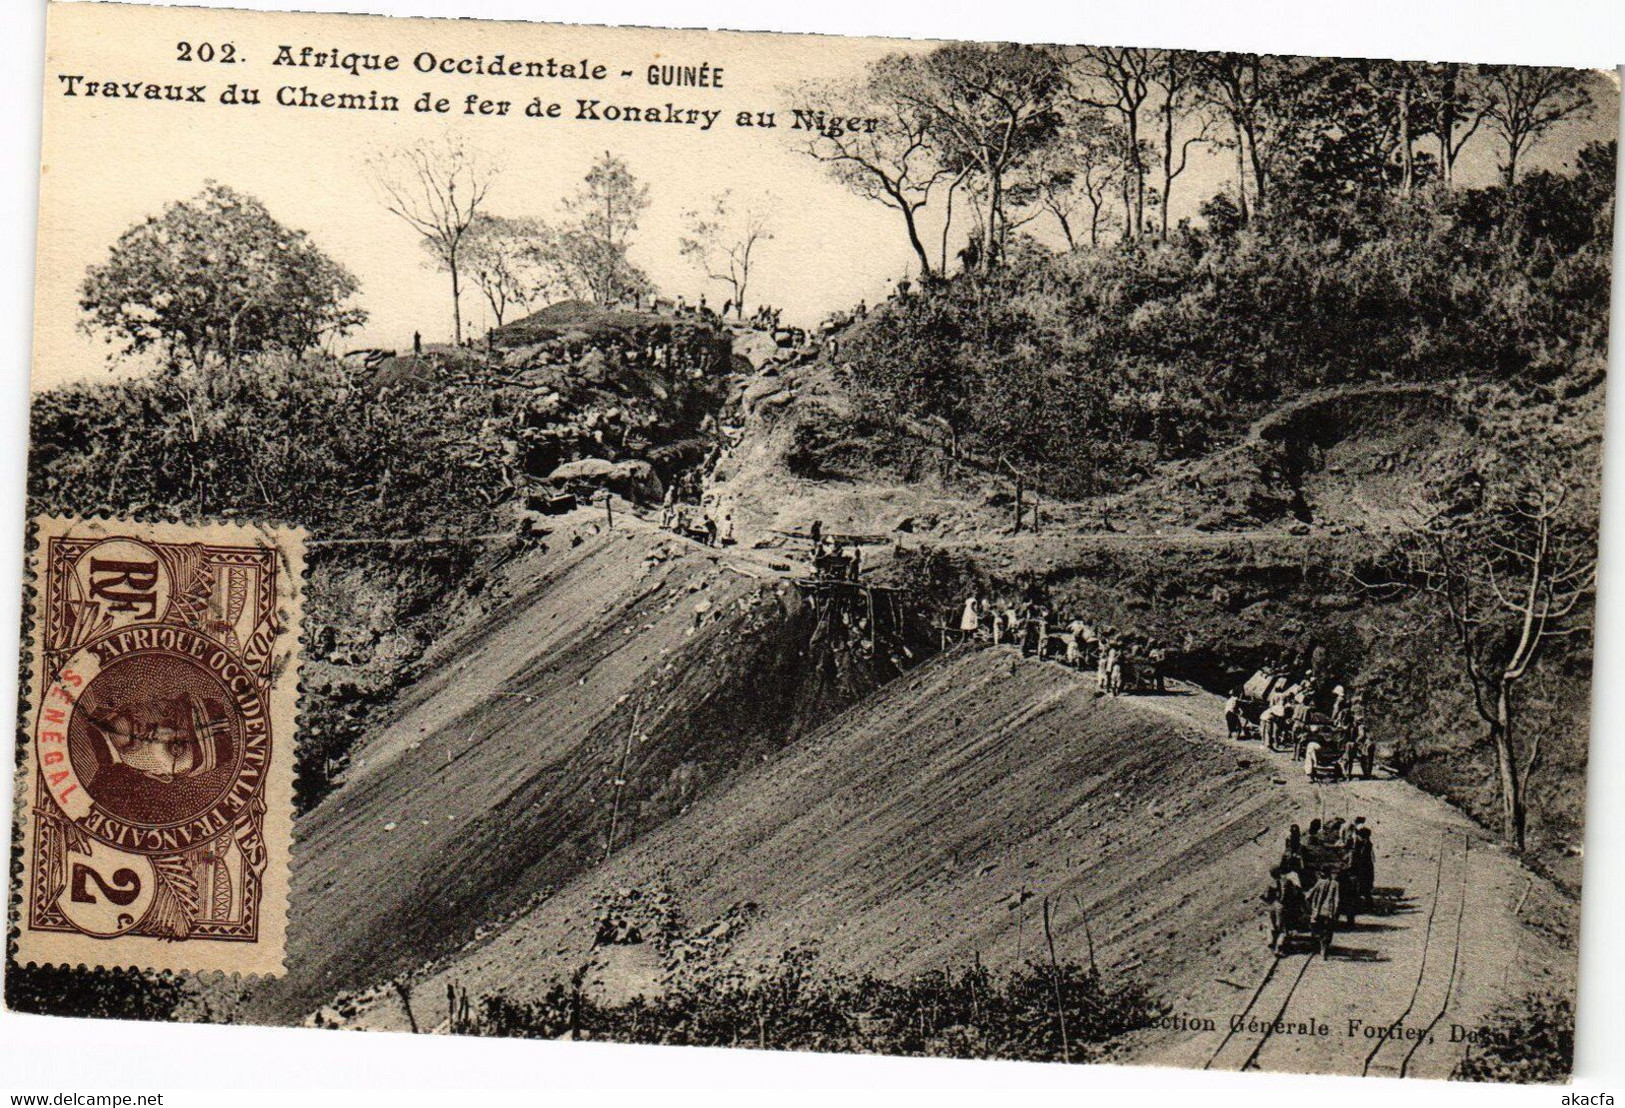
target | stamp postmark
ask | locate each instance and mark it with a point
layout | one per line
(157, 790)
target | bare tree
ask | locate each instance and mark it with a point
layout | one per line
(1524, 102)
(1175, 75)
(892, 164)
(437, 186)
(1118, 79)
(1511, 578)
(723, 242)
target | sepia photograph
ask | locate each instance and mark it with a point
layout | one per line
(991, 551)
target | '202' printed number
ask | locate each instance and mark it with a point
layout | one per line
(225, 53)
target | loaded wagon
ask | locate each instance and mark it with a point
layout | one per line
(1255, 698)
(1308, 911)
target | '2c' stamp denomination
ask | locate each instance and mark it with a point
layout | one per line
(163, 701)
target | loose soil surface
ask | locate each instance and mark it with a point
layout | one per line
(494, 779)
(927, 825)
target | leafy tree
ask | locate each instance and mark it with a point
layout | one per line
(986, 109)
(604, 213)
(1459, 102)
(1118, 79)
(438, 187)
(1524, 102)
(511, 261)
(723, 242)
(893, 164)
(1072, 179)
(215, 279)
(1258, 95)
(1176, 76)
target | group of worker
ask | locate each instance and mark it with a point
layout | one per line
(715, 527)
(1329, 871)
(1040, 632)
(833, 558)
(1292, 704)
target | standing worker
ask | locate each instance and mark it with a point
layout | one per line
(1363, 865)
(1366, 745)
(969, 623)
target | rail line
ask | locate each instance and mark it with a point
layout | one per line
(1269, 972)
(1252, 1001)
(1427, 944)
(1280, 1014)
(1455, 964)
(1428, 959)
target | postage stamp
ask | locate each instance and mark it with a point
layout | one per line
(161, 711)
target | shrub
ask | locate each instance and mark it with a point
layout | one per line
(788, 1005)
(1530, 1044)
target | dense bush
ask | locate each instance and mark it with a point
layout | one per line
(302, 440)
(1532, 1043)
(1090, 367)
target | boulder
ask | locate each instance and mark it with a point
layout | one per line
(756, 347)
(633, 479)
(585, 469)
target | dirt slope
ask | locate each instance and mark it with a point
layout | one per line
(926, 825)
(631, 655)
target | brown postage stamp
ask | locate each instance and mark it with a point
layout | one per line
(161, 711)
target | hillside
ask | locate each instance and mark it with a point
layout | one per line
(621, 654)
(925, 827)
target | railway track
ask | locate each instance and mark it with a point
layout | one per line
(1255, 1024)
(1401, 1046)
(1438, 971)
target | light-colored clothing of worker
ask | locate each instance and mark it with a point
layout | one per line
(968, 621)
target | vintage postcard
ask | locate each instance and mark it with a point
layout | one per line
(1075, 553)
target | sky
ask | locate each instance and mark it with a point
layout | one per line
(108, 164)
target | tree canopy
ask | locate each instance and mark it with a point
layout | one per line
(214, 279)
